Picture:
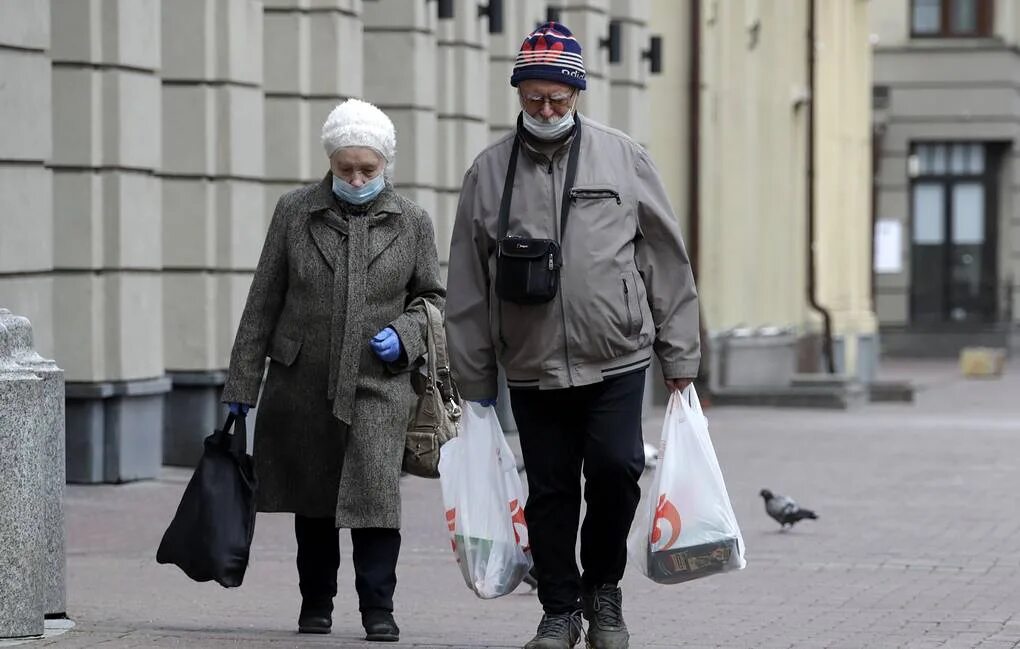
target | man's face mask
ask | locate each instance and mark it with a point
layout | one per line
(557, 125)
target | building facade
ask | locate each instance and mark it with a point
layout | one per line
(774, 182)
(145, 143)
(947, 122)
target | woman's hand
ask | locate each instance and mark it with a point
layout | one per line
(238, 409)
(386, 345)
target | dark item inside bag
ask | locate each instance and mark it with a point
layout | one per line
(677, 565)
(528, 270)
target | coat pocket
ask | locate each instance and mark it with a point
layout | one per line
(635, 320)
(284, 350)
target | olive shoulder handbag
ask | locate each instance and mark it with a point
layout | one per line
(437, 412)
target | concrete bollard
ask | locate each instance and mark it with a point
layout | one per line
(22, 595)
(53, 459)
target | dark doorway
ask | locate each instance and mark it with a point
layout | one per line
(953, 203)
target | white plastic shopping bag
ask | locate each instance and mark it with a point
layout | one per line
(484, 499)
(685, 527)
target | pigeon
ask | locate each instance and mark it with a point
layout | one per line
(785, 510)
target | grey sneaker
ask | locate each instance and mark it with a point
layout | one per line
(603, 608)
(557, 631)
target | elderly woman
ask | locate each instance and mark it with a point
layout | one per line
(336, 305)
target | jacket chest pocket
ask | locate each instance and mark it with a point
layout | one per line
(587, 195)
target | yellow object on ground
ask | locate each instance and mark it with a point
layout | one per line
(982, 361)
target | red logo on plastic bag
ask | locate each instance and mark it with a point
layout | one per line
(667, 519)
(520, 525)
(451, 524)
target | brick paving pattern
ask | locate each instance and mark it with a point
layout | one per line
(918, 546)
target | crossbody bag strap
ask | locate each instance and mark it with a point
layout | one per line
(568, 181)
(508, 184)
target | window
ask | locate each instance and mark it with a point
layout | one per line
(950, 18)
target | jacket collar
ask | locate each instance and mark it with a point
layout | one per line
(537, 149)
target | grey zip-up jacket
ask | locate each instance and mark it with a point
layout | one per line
(626, 286)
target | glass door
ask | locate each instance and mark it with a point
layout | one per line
(953, 234)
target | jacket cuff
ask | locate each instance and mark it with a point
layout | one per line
(409, 330)
(478, 390)
(681, 369)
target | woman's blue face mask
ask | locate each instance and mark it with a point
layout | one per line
(358, 195)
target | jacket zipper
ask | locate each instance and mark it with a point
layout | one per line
(596, 193)
(630, 316)
(563, 301)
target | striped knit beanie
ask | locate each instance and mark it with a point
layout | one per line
(550, 53)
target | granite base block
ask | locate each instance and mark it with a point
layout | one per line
(115, 431)
(84, 440)
(193, 411)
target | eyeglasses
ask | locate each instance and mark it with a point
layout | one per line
(533, 103)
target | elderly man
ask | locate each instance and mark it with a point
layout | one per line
(567, 265)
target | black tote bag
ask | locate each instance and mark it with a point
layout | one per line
(210, 535)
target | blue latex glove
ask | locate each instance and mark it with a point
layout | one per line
(486, 403)
(386, 345)
(238, 409)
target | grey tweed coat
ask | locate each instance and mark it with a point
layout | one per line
(329, 436)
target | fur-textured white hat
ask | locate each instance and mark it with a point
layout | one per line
(359, 123)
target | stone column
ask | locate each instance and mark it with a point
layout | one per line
(313, 61)
(107, 235)
(213, 201)
(589, 21)
(400, 78)
(628, 103)
(462, 110)
(51, 440)
(520, 20)
(26, 192)
(22, 597)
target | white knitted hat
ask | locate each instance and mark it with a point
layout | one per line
(359, 123)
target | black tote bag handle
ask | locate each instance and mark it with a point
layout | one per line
(235, 442)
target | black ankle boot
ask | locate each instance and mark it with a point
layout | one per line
(315, 617)
(379, 625)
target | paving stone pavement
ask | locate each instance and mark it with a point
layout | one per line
(917, 546)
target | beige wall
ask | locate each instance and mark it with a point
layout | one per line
(754, 101)
(668, 102)
(753, 131)
(843, 160)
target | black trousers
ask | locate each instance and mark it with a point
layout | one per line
(374, 553)
(594, 429)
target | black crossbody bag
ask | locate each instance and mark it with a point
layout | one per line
(528, 270)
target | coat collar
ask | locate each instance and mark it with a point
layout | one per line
(322, 199)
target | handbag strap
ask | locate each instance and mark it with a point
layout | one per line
(511, 172)
(438, 364)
